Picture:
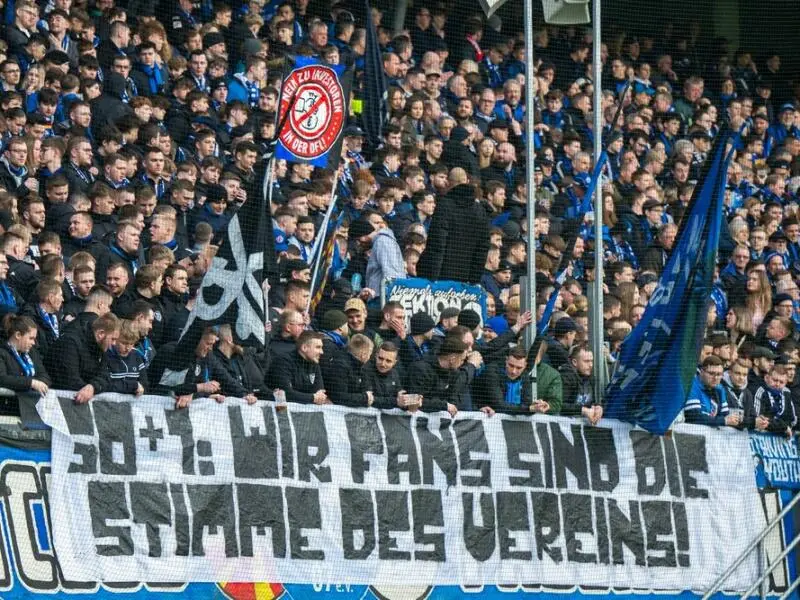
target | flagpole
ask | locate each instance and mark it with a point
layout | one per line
(599, 366)
(316, 252)
(268, 203)
(530, 187)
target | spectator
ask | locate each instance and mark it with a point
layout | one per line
(559, 347)
(419, 343)
(205, 375)
(441, 382)
(707, 402)
(381, 377)
(21, 368)
(771, 408)
(576, 376)
(241, 366)
(460, 232)
(123, 369)
(76, 357)
(506, 387)
(298, 372)
(46, 313)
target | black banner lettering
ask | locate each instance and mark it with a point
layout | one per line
(212, 509)
(358, 517)
(150, 507)
(364, 436)
(479, 538)
(304, 513)
(401, 450)
(107, 502)
(261, 508)
(520, 439)
(426, 507)
(437, 449)
(117, 446)
(312, 446)
(472, 438)
(255, 455)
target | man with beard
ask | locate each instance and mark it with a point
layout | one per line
(503, 167)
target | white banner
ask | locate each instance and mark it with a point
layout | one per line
(231, 492)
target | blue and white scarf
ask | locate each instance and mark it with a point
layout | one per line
(253, 92)
(24, 361)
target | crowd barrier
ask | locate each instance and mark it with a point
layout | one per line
(571, 509)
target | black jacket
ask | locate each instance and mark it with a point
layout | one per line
(578, 391)
(45, 336)
(244, 370)
(14, 185)
(295, 375)
(116, 255)
(458, 239)
(13, 377)
(384, 387)
(121, 374)
(344, 381)
(22, 277)
(171, 304)
(75, 359)
(197, 370)
(104, 227)
(439, 387)
(79, 179)
(97, 249)
(124, 309)
(109, 107)
(490, 386)
(279, 345)
(557, 354)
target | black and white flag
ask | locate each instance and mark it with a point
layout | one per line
(233, 289)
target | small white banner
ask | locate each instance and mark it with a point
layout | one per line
(232, 492)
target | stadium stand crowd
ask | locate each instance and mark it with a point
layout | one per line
(130, 136)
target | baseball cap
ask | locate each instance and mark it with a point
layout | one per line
(503, 266)
(355, 304)
(353, 131)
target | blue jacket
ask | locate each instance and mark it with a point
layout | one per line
(706, 406)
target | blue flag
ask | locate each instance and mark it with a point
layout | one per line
(375, 114)
(658, 360)
(313, 112)
(544, 324)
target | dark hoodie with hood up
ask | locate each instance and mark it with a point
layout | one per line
(108, 106)
(458, 239)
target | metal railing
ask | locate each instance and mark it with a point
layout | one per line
(756, 545)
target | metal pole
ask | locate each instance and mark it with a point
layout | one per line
(600, 372)
(399, 16)
(319, 245)
(775, 563)
(530, 154)
(717, 585)
(762, 589)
